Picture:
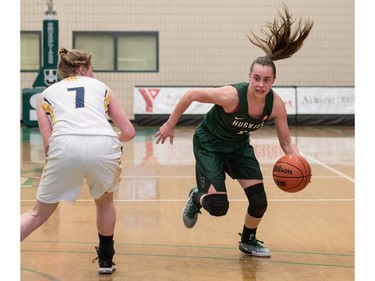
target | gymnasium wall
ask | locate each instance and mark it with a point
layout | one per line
(203, 42)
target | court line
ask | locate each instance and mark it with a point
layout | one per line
(193, 176)
(174, 177)
(329, 168)
(231, 200)
(43, 274)
(126, 244)
(236, 200)
(271, 260)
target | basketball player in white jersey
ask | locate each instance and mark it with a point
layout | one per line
(79, 142)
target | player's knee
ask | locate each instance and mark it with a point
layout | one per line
(257, 200)
(216, 204)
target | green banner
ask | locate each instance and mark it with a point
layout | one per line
(48, 73)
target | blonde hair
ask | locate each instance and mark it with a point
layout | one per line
(71, 60)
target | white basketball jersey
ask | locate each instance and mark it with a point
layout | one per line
(78, 105)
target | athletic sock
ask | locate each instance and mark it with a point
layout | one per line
(196, 199)
(105, 240)
(248, 234)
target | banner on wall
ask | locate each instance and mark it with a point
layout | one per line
(155, 100)
(325, 100)
(288, 95)
(162, 100)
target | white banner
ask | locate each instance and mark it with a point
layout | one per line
(149, 100)
(325, 100)
(155, 100)
(288, 95)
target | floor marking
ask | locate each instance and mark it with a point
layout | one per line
(231, 200)
(329, 168)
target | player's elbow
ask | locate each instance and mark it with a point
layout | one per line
(127, 134)
(131, 133)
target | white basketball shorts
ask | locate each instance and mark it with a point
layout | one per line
(71, 159)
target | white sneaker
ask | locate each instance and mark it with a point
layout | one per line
(254, 248)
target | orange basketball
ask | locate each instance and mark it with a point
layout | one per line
(291, 173)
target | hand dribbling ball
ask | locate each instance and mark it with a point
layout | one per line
(291, 173)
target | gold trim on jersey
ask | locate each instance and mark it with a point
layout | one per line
(107, 98)
(48, 109)
(72, 78)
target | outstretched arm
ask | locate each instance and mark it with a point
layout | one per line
(224, 96)
(167, 129)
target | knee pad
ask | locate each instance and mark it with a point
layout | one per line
(257, 200)
(216, 204)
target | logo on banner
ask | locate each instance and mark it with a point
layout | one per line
(149, 95)
(50, 76)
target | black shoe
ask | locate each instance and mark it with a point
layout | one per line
(106, 265)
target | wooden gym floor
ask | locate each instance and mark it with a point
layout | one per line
(310, 233)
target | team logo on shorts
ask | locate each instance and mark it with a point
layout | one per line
(203, 182)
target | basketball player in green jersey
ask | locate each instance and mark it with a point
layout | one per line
(221, 142)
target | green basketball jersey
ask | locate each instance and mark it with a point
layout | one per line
(236, 125)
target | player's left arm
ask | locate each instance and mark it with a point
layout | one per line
(44, 124)
(281, 124)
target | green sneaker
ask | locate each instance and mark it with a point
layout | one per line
(191, 210)
(254, 248)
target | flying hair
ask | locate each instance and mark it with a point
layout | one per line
(281, 42)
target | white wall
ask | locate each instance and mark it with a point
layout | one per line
(203, 42)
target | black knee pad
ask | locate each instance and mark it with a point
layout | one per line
(216, 204)
(257, 200)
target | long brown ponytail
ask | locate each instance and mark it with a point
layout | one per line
(281, 42)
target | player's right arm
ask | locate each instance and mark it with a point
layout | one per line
(121, 120)
(224, 96)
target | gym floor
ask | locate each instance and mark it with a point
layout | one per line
(310, 233)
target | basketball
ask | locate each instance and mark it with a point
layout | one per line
(291, 173)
